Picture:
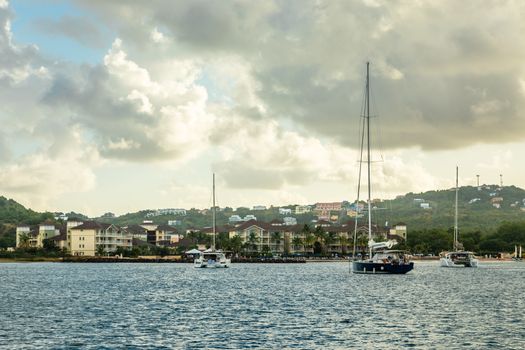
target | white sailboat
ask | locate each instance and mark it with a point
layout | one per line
(518, 254)
(381, 260)
(457, 258)
(212, 257)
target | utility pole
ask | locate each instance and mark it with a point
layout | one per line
(500, 180)
(478, 179)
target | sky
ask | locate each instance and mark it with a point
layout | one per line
(118, 106)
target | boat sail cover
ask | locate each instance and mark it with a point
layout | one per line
(382, 245)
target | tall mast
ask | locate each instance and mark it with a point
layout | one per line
(456, 214)
(358, 187)
(368, 156)
(213, 214)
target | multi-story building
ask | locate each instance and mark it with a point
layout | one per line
(33, 237)
(398, 230)
(324, 210)
(278, 238)
(90, 237)
(285, 211)
(302, 209)
(333, 206)
(289, 221)
(234, 219)
(169, 211)
(165, 234)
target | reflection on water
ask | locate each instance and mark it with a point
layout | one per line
(303, 306)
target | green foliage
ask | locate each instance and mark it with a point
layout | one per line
(15, 213)
(477, 216)
(7, 235)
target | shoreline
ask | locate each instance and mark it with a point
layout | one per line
(94, 260)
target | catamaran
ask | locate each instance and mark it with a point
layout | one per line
(381, 260)
(457, 258)
(212, 257)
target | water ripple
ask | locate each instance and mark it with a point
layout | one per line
(304, 306)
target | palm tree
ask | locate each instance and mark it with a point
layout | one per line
(252, 241)
(320, 236)
(236, 244)
(309, 241)
(297, 242)
(23, 240)
(276, 238)
(329, 239)
(344, 241)
(362, 241)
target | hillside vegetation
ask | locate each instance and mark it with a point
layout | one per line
(12, 214)
(473, 215)
(476, 213)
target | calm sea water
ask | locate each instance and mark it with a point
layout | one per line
(266, 306)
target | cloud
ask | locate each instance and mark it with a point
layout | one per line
(77, 28)
(43, 155)
(39, 177)
(306, 60)
(132, 115)
(272, 90)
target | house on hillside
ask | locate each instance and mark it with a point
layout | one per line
(285, 211)
(398, 231)
(425, 205)
(302, 209)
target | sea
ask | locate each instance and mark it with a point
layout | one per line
(260, 306)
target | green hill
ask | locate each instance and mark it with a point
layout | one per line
(12, 214)
(475, 210)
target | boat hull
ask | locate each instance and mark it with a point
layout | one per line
(370, 267)
(212, 264)
(449, 263)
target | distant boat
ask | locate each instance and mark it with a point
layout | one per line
(380, 261)
(518, 255)
(457, 258)
(211, 257)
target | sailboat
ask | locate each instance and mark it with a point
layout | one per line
(457, 258)
(518, 254)
(212, 257)
(381, 260)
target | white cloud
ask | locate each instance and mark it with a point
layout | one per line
(37, 179)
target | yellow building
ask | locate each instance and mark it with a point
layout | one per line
(90, 237)
(33, 237)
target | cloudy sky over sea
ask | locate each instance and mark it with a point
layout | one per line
(107, 106)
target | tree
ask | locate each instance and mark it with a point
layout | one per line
(49, 245)
(252, 241)
(286, 245)
(236, 244)
(100, 250)
(223, 240)
(329, 239)
(309, 241)
(320, 236)
(343, 241)
(266, 250)
(23, 240)
(276, 238)
(297, 242)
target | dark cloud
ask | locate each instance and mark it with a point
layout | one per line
(309, 59)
